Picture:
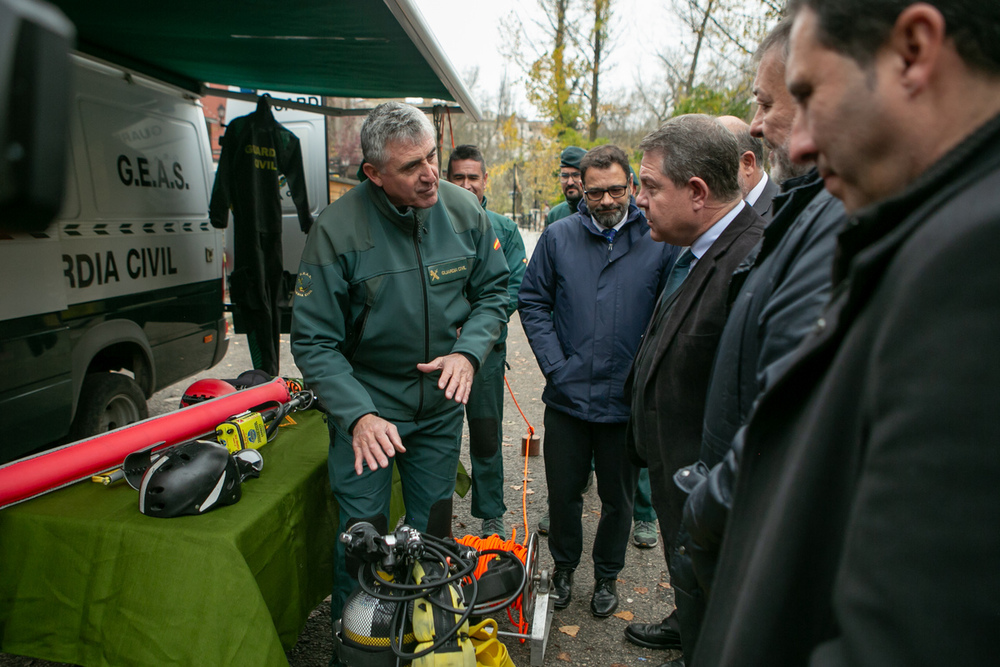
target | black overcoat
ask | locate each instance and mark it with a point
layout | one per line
(865, 527)
(672, 368)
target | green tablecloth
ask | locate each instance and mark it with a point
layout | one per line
(85, 578)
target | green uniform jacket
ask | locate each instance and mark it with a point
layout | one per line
(380, 291)
(513, 250)
(558, 212)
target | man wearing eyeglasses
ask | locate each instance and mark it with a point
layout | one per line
(569, 180)
(585, 299)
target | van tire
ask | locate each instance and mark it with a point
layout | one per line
(107, 401)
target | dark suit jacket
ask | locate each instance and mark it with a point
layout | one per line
(763, 204)
(671, 371)
(864, 528)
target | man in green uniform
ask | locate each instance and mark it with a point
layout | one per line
(400, 297)
(467, 169)
(572, 186)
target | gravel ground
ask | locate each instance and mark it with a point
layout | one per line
(577, 637)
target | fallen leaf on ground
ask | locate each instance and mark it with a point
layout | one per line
(516, 488)
(641, 590)
(564, 657)
(625, 615)
(570, 630)
(664, 585)
(529, 492)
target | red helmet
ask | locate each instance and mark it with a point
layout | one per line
(202, 390)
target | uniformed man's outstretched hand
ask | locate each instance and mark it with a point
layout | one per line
(456, 375)
(375, 441)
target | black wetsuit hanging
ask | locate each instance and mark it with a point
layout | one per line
(255, 149)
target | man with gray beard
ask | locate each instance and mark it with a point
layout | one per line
(585, 299)
(772, 123)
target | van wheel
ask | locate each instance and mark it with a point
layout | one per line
(107, 401)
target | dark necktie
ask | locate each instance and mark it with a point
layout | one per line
(609, 234)
(682, 266)
(680, 271)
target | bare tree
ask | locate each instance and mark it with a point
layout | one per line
(553, 71)
(599, 48)
(712, 69)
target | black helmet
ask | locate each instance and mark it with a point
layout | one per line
(194, 478)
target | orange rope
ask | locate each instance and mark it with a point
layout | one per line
(499, 544)
(519, 549)
(524, 474)
(493, 542)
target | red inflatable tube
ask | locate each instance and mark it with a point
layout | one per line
(35, 475)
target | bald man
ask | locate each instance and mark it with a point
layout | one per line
(757, 187)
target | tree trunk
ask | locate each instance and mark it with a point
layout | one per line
(689, 84)
(601, 16)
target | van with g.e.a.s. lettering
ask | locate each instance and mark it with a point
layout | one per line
(122, 294)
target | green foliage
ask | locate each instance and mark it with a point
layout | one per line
(547, 90)
(714, 102)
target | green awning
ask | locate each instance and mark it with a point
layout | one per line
(337, 48)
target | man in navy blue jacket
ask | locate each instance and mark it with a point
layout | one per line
(585, 300)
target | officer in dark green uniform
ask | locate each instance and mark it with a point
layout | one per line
(466, 168)
(400, 297)
(572, 186)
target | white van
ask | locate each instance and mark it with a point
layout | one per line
(122, 295)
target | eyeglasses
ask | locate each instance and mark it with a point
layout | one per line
(597, 194)
(569, 177)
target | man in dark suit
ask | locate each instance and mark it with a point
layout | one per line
(691, 194)
(864, 523)
(777, 293)
(757, 186)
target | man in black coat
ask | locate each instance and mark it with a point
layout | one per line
(864, 522)
(778, 292)
(692, 197)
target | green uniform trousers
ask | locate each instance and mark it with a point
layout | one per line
(427, 470)
(642, 508)
(485, 414)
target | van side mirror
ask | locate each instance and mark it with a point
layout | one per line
(35, 43)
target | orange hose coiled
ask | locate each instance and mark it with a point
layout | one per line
(499, 544)
(495, 542)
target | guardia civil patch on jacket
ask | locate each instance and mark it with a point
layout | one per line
(303, 285)
(445, 272)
